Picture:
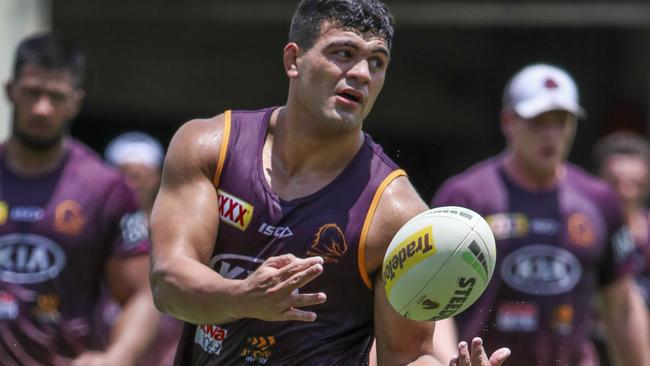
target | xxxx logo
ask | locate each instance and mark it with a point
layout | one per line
(234, 210)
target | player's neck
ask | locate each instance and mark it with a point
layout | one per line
(298, 145)
(27, 161)
(298, 162)
(530, 178)
(634, 209)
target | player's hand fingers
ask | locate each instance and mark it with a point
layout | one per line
(297, 265)
(302, 278)
(298, 315)
(453, 361)
(478, 353)
(463, 354)
(499, 356)
(302, 300)
(280, 261)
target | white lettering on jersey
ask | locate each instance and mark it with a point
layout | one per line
(28, 258)
(276, 231)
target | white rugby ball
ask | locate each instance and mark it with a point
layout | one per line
(439, 263)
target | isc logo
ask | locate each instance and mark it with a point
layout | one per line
(277, 231)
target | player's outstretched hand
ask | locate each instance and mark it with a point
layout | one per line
(477, 356)
(272, 291)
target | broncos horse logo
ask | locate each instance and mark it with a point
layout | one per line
(329, 243)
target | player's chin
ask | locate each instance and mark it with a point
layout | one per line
(39, 140)
(350, 117)
(548, 165)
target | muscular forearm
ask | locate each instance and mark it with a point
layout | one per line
(192, 292)
(628, 345)
(445, 339)
(627, 329)
(195, 293)
(134, 329)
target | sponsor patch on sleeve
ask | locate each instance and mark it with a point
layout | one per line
(134, 228)
(622, 243)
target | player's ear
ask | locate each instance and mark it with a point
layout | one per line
(290, 59)
(78, 97)
(8, 86)
(507, 118)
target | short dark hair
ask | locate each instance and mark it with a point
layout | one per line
(621, 143)
(52, 52)
(363, 15)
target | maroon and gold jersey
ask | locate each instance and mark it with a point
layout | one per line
(643, 260)
(57, 232)
(555, 249)
(256, 224)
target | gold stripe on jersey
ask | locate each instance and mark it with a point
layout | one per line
(224, 148)
(361, 258)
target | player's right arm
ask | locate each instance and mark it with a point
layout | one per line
(184, 225)
(445, 339)
(399, 340)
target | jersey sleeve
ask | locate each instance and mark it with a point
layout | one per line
(127, 225)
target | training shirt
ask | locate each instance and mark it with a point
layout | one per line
(643, 262)
(256, 224)
(555, 248)
(57, 232)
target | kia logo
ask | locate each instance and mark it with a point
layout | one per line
(541, 270)
(27, 258)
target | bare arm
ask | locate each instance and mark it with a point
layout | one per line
(625, 318)
(412, 344)
(445, 339)
(401, 341)
(137, 322)
(184, 226)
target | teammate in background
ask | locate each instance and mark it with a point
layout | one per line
(139, 157)
(560, 236)
(67, 223)
(270, 226)
(623, 159)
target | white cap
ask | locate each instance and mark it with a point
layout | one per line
(134, 147)
(542, 88)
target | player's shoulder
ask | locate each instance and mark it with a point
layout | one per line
(476, 178)
(85, 168)
(581, 184)
(86, 163)
(380, 157)
(199, 129)
(475, 175)
(198, 140)
(202, 133)
(582, 181)
(398, 203)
